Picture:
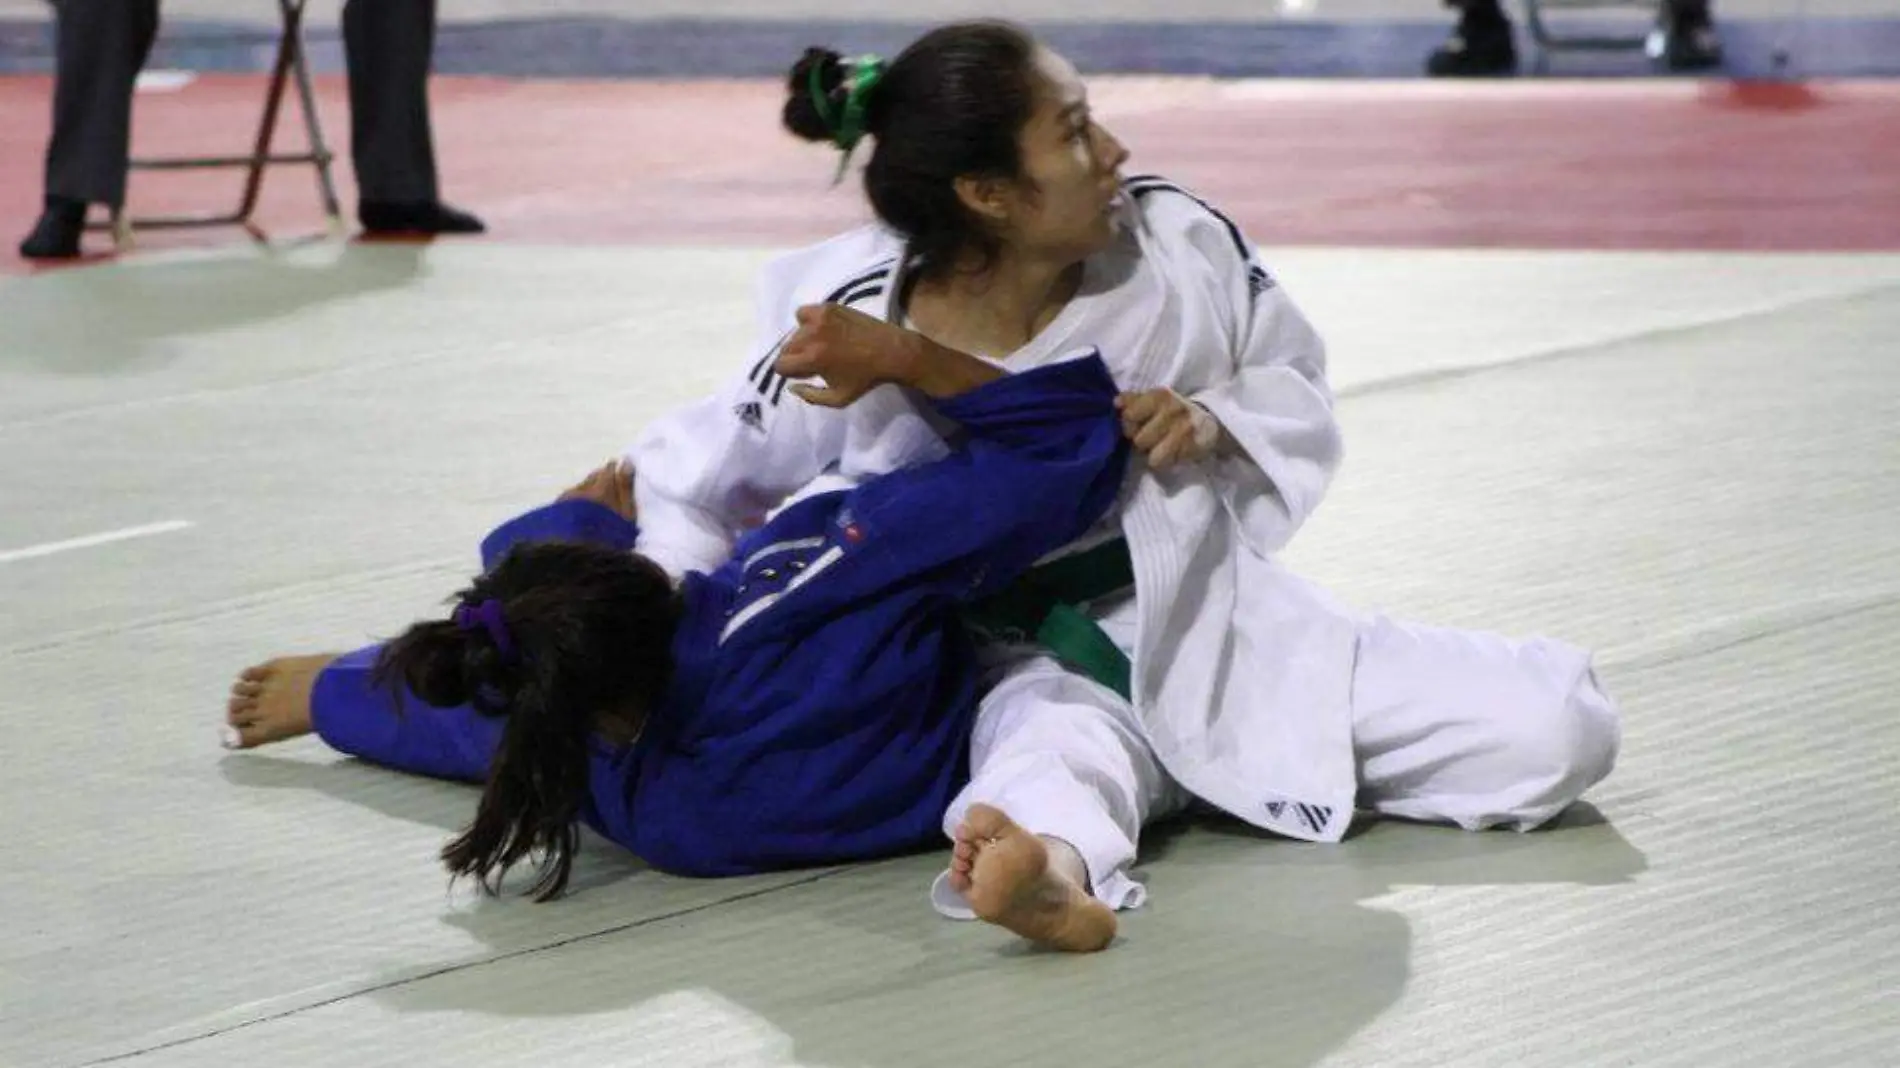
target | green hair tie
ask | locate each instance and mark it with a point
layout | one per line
(861, 76)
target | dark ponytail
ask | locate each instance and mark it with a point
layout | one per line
(535, 789)
(951, 106)
(430, 659)
(570, 635)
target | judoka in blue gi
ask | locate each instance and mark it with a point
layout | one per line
(808, 702)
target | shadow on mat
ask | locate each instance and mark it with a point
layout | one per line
(447, 806)
(99, 321)
(1252, 942)
(1253, 952)
(853, 968)
(411, 798)
(1580, 847)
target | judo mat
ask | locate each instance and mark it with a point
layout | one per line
(1660, 418)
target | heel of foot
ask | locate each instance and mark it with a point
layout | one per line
(1088, 925)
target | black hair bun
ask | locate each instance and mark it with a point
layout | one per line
(801, 115)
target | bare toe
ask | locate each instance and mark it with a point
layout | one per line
(271, 702)
(984, 822)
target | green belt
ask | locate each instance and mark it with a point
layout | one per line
(1042, 607)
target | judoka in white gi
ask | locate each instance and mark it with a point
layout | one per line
(1007, 230)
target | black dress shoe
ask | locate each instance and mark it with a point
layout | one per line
(415, 217)
(1478, 48)
(56, 235)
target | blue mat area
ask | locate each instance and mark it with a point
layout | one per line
(689, 48)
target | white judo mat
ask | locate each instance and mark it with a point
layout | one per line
(1688, 462)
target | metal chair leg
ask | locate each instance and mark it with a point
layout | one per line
(313, 124)
(273, 103)
(290, 62)
(1544, 42)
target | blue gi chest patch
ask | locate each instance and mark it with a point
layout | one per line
(848, 527)
(774, 571)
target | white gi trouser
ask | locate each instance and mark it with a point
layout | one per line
(1451, 726)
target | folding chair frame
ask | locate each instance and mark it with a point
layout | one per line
(1545, 42)
(290, 64)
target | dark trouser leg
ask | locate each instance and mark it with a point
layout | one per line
(1689, 38)
(390, 44)
(102, 45)
(1481, 44)
(1482, 11)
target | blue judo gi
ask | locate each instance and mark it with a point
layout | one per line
(825, 682)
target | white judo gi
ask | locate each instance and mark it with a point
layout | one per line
(1253, 689)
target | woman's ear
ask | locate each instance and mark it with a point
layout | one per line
(986, 198)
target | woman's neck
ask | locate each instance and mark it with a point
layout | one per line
(993, 312)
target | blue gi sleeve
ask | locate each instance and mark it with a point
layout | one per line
(395, 728)
(570, 520)
(1043, 458)
(400, 730)
(363, 720)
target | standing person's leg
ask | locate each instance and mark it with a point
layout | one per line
(1689, 40)
(390, 44)
(1475, 729)
(101, 46)
(1481, 45)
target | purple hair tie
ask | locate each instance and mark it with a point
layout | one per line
(487, 616)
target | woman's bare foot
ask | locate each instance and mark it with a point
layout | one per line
(271, 702)
(1004, 873)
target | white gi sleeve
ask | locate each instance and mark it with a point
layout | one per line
(1278, 406)
(707, 472)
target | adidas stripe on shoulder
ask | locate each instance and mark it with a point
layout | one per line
(1145, 185)
(860, 287)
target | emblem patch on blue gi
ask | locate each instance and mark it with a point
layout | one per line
(848, 526)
